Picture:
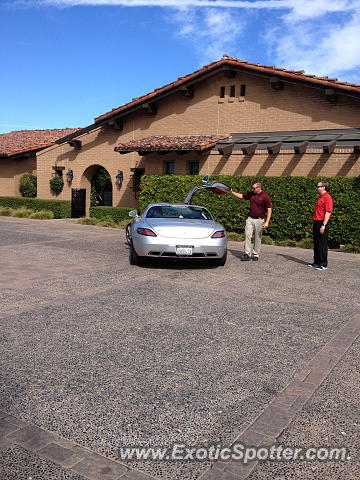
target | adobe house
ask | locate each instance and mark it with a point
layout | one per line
(18, 155)
(230, 117)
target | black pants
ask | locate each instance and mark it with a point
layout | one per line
(320, 243)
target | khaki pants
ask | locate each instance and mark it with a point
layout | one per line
(253, 226)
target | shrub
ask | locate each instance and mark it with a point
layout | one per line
(350, 249)
(293, 203)
(28, 185)
(5, 211)
(235, 237)
(287, 242)
(88, 221)
(42, 215)
(266, 240)
(56, 184)
(306, 243)
(107, 222)
(60, 208)
(116, 213)
(22, 213)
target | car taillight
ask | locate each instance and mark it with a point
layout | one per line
(218, 234)
(146, 231)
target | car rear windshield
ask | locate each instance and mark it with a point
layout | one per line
(196, 213)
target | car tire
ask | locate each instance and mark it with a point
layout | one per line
(134, 258)
(128, 233)
(221, 262)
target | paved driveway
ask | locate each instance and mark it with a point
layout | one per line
(98, 355)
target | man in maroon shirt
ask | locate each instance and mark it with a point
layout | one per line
(321, 218)
(260, 205)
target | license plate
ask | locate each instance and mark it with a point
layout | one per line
(183, 250)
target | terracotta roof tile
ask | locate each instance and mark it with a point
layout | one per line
(235, 62)
(171, 142)
(22, 141)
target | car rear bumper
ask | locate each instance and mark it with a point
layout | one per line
(201, 248)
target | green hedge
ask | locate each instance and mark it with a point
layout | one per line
(116, 213)
(293, 203)
(60, 208)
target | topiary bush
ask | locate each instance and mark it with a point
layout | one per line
(60, 208)
(293, 203)
(116, 213)
(28, 185)
(56, 184)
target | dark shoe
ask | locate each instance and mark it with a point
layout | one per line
(314, 265)
(320, 267)
(255, 258)
(245, 258)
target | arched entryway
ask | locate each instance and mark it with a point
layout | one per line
(101, 188)
(97, 182)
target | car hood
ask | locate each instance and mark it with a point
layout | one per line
(181, 228)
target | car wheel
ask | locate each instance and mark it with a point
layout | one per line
(221, 262)
(128, 233)
(134, 258)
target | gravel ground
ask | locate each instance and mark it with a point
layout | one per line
(109, 355)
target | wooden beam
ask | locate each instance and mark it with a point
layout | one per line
(116, 123)
(300, 149)
(249, 149)
(58, 169)
(274, 148)
(276, 83)
(226, 149)
(75, 143)
(149, 108)
(187, 91)
(331, 95)
(329, 147)
(357, 149)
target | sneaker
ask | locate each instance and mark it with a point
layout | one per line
(245, 258)
(254, 258)
(314, 265)
(320, 267)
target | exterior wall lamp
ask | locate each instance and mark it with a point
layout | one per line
(119, 178)
(69, 176)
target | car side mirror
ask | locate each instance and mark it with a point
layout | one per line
(133, 213)
(205, 178)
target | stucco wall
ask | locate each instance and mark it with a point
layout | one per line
(11, 170)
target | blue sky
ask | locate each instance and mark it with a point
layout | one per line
(65, 62)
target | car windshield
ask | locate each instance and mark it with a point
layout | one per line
(187, 212)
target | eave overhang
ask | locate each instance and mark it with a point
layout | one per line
(163, 144)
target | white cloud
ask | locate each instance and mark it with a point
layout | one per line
(320, 36)
(326, 47)
(211, 31)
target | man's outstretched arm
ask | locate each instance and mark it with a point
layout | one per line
(239, 195)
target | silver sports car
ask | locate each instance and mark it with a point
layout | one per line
(169, 230)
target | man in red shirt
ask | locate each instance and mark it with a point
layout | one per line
(260, 205)
(321, 218)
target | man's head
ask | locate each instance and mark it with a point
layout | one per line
(322, 187)
(256, 187)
